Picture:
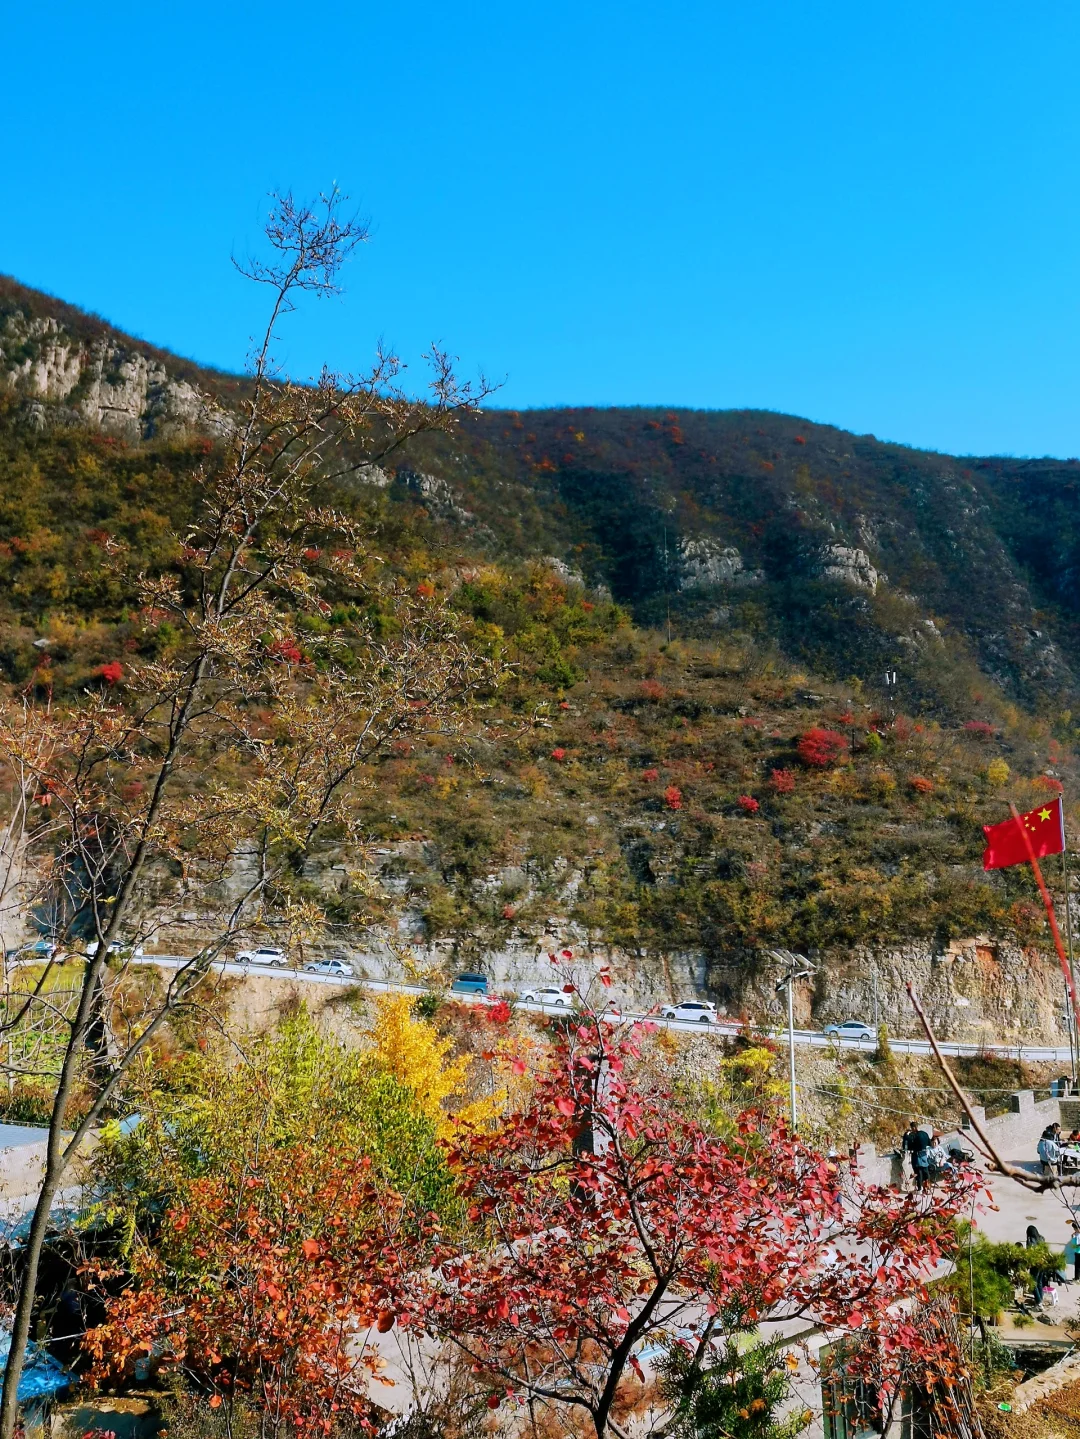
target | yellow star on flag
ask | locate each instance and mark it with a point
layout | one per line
(1044, 814)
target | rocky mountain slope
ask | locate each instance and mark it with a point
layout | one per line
(683, 598)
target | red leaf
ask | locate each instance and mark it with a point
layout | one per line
(312, 1248)
(386, 1321)
(564, 1105)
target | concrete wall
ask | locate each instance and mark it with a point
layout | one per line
(1014, 1135)
(22, 1160)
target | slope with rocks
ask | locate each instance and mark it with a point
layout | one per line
(683, 599)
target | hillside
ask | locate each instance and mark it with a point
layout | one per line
(682, 597)
(852, 556)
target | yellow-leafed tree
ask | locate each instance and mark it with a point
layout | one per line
(412, 1052)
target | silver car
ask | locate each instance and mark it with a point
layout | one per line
(850, 1029)
(335, 968)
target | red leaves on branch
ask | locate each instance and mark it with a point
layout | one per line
(288, 651)
(673, 797)
(112, 673)
(558, 754)
(602, 1214)
(820, 748)
(783, 781)
(979, 729)
(650, 775)
(748, 804)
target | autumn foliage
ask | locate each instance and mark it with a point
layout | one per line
(782, 781)
(600, 1214)
(820, 748)
(261, 1287)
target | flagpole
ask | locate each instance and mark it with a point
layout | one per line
(1048, 904)
(1074, 1036)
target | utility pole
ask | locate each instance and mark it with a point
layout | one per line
(890, 689)
(1074, 1038)
(877, 1006)
(798, 967)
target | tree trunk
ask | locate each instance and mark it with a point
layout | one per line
(24, 1308)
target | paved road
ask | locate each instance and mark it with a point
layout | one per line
(809, 1037)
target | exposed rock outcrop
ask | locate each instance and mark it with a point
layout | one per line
(849, 565)
(706, 562)
(102, 383)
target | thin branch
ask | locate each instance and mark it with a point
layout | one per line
(1035, 1183)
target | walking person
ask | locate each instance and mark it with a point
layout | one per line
(1049, 1152)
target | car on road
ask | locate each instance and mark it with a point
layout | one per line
(850, 1029)
(265, 954)
(117, 946)
(40, 949)
(335, 968)
(692, 1010)
(546, 994)
(470, 983)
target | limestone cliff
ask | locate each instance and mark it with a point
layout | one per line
(103, 380)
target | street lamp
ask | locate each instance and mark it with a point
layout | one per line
(798, 967)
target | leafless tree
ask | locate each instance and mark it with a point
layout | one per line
(245, 742)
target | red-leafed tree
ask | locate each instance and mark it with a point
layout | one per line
(602, 1217)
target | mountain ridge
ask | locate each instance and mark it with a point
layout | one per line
(682, 598)
(855, 556)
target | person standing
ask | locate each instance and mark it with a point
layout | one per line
(1072, 1251)
(916, 1144)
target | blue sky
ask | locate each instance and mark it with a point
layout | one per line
(863, 214)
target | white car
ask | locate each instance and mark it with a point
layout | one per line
(265, 954)
(546, 994)
(692, 1010)
(850, 1029)
(116, 947)
(337, 968)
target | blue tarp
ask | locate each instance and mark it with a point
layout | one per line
(42, 1377)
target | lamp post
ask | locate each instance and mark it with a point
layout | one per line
(798, 967)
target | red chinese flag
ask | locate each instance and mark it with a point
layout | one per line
(1005, 844)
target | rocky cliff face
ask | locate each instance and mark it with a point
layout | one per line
(100, 382)
(974, 991)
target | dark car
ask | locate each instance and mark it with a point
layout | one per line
(470, 984)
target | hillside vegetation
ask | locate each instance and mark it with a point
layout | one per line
(694, 748)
